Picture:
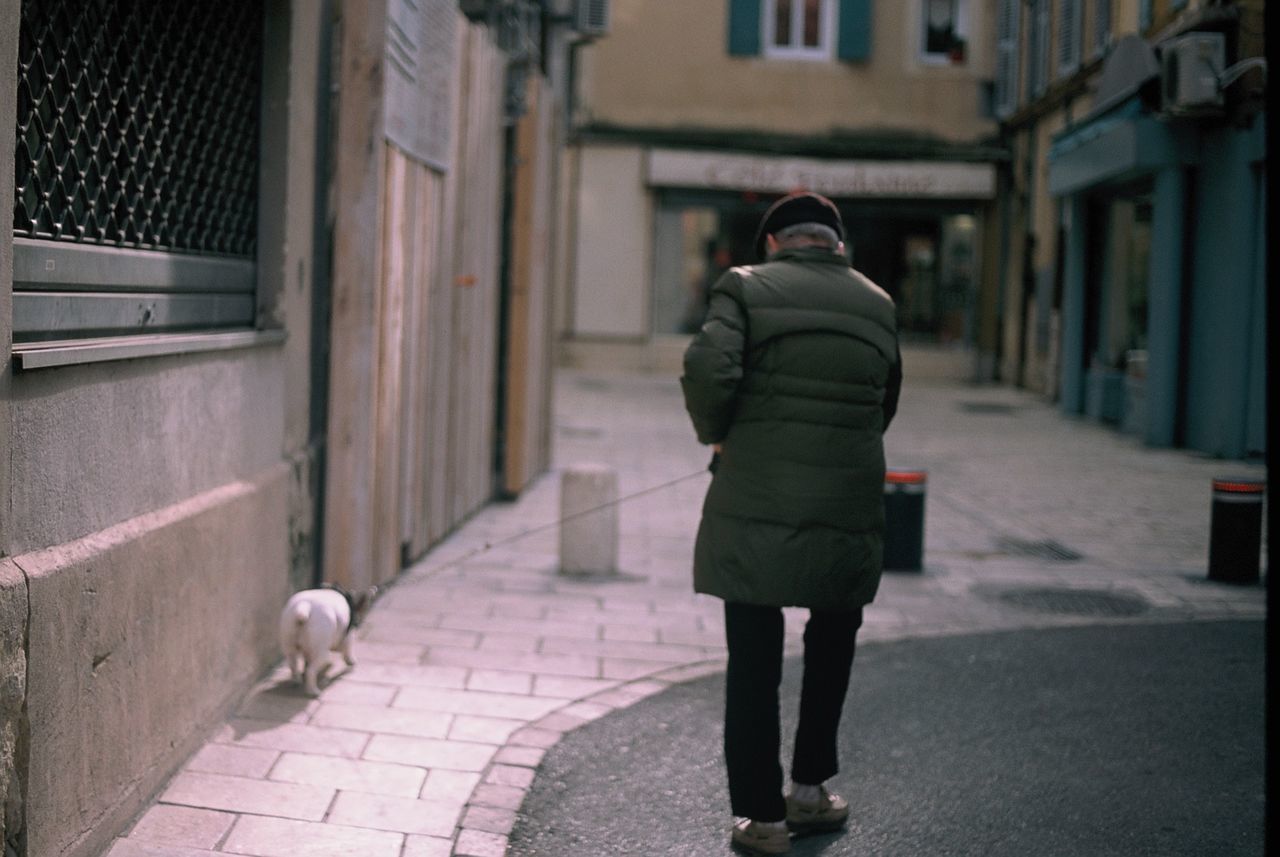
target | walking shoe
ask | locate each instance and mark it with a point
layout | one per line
(755, 838)
(828, 812)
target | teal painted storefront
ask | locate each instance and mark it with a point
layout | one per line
(1198, 378)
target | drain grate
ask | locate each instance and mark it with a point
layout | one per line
(1047, 549)
(986, 408)
(1071, 602)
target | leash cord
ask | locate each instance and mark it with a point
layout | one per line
(488, 546)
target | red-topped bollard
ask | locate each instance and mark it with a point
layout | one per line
(904, 492)
(1235, 530)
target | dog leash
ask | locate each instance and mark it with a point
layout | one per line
(488, 546)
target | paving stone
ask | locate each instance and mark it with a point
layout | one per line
(185, 826)
(506, 797)
(237, 794)
(478, 843)
(501, 681)
(277, 837)
(621, 649)
(491, 819)
(507, 705)
(485, 730)
(427, 846)
(376, 651)
(586, 711)
(507, 643)
(515, 625)
(527, 757)
(569, 687)
(454, 786)
(627, 668)
(390, 721)
(509, 775)
(534, 737)
(406, 815)
(430, 752)
(292, 736)
(435, 675)
(284, 703)
(629, 633)
(420, 636)
(349, 774)
(557, 664)
(360, 693)
(136, 848)
(236, 761)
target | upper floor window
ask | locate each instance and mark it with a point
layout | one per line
(946, 28)
(800, 29)
(803, 29)
(1101, 26)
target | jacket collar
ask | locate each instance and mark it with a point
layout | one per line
(810, 254)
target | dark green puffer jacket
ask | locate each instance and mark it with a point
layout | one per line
(796, 372)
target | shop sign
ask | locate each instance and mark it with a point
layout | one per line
(726, 171)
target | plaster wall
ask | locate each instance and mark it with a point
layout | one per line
(667, 65)
(91, 446)
(140, 636)
(613, 244)
(13, 689)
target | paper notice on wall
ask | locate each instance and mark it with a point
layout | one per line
(421, 63)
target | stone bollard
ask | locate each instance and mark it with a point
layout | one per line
(589, 543)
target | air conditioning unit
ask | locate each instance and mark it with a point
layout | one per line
(1190, 70)
(591, 18)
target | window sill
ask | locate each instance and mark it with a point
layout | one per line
(71, 352)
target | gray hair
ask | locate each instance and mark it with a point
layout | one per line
(807, 234)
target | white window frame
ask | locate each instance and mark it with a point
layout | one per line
(825, 48)
(961, 30)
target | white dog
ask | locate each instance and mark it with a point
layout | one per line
(316, 622)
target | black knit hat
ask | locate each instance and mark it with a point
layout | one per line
(802, 207)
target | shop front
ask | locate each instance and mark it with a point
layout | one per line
(913, 227)
(1164, 275)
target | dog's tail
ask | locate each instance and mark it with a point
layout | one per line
(301, 612)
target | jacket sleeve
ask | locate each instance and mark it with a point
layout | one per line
(892, 389)
(713, 362)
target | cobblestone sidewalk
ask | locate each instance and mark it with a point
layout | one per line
(477, 660)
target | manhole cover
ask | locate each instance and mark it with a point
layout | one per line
(1071, 602)
(1047, 549)
(986, 408)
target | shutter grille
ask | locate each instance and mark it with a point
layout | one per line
(136, 163)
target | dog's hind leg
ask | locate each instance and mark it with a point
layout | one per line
(345, 648)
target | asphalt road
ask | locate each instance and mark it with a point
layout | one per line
(1123, 740)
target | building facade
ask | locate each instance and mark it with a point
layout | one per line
(1133, 256)
(274, 308)
(688, 123)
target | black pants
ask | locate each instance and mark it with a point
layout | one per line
(751, 719)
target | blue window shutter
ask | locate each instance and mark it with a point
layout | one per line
(853, 37)
(744, 28)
